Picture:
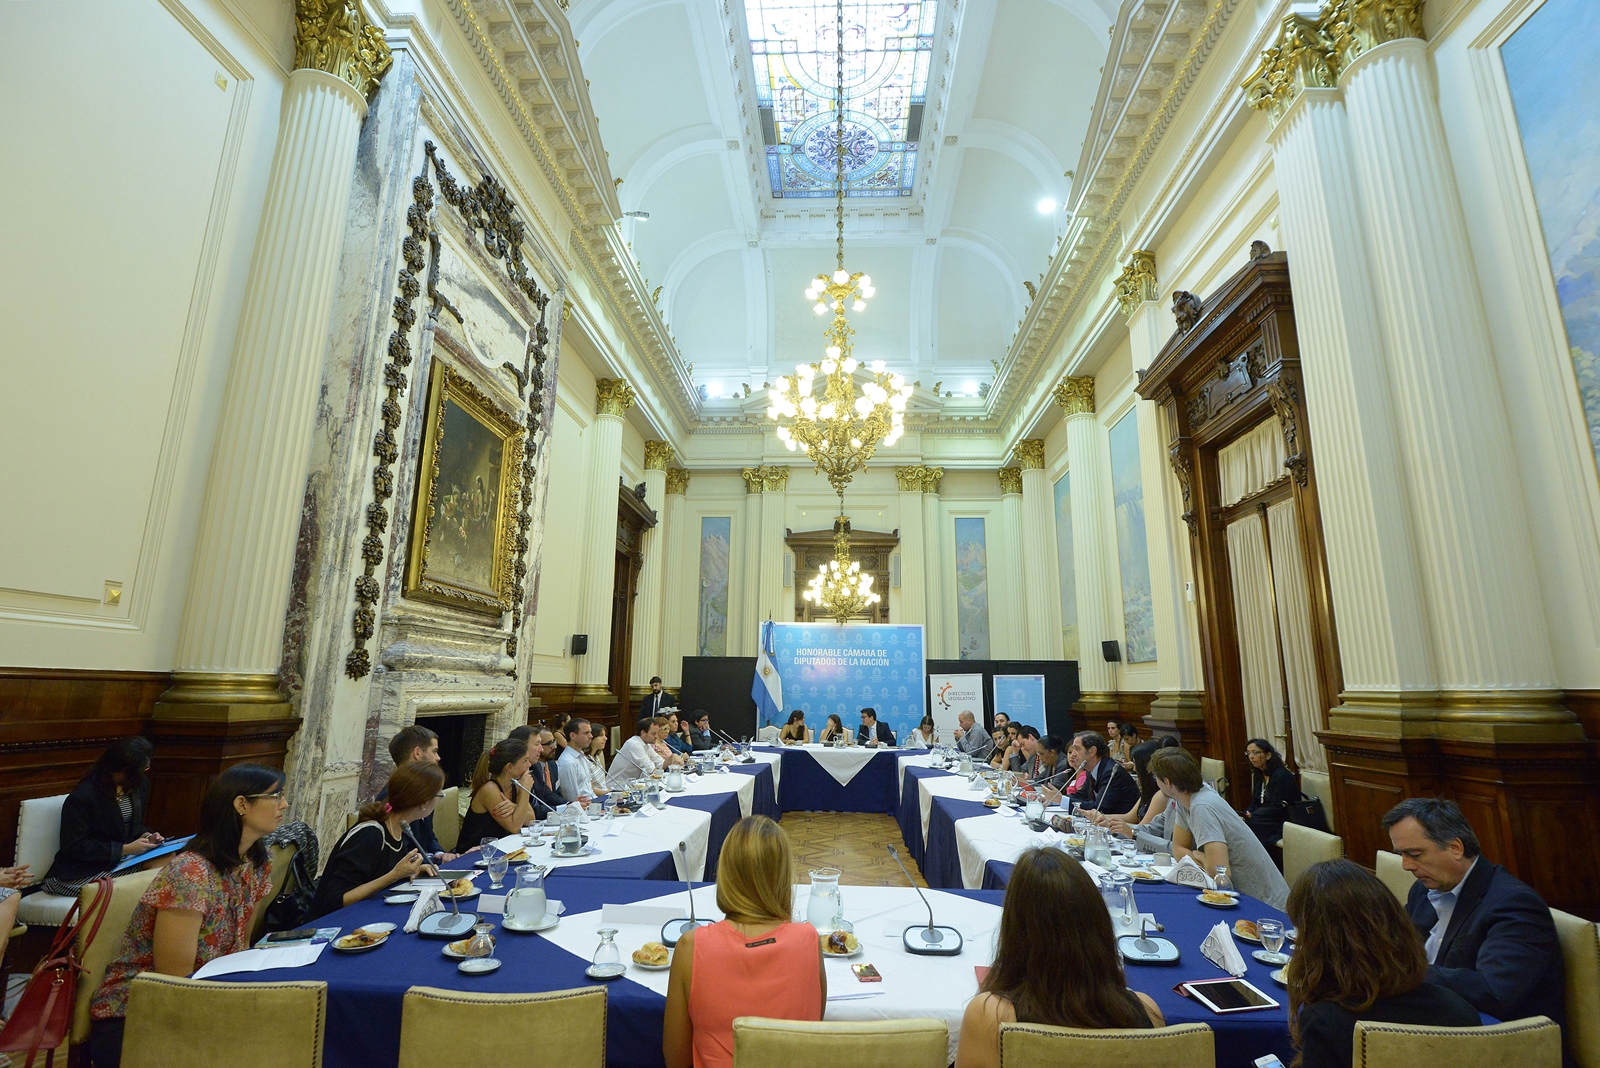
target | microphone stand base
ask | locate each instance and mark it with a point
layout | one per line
(932, 941)
(673, 930)
(447, 925)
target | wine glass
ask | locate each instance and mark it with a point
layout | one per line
(1271, 932)
(607, 957)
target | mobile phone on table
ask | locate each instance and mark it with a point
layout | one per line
(866, 973)
(292, 936)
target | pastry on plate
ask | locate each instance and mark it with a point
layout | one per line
(459, 948)
(1217, 897)
(842, 943)
(460, 888)
(1145, 875)
(1246, 929)
(992, 802)
(653, 954)
(517, 857)
(360, 938)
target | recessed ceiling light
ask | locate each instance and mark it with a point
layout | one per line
(714, 389)
(970, 388)
(1046, 206)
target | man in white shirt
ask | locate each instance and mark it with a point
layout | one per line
(971, 738)
(637, 759)
(572, 769)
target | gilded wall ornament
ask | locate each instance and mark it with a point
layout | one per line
(1358, 26)
(1010, 479)
(1029, 455)
(612, 396)
(918, 478)
(657, 455)
(1302, 57)
(677, 480)
(772, 479)
(335, 36)
(1076, 395)
(1137, 282)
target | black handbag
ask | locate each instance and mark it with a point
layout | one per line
(292, 907)
(1307, 812)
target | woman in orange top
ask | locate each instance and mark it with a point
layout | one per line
(754, 963)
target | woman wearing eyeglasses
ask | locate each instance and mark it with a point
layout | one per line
(380, 850)
(201, 905)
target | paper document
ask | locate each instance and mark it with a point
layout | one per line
(261, 960)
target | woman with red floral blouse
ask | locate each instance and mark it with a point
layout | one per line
(201, 905)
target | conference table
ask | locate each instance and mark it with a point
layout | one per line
(817, 778)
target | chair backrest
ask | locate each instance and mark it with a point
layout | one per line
(1040, 1045)
(616, 741)
(1303, 847)
(767, 733)
(97, 956)
(1315, 784)
(1580, 949)
(39, 833)
(1393, 875)
(570, 1026)
(282, 856)
(912, 1043)
(1214, 772)
(447, 819)
(172, 1023)
(1531, 1043)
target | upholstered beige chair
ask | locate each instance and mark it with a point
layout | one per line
(568, 1027)
(1531, 1043)
(916, 1043)
(1214, 772)
(1303, 847)
(281, 855)
(1042, 1046)
(172, 1023)
(1580, 948)
(1315, 784)
(96, 956)
(1393, 875)
(447, 819)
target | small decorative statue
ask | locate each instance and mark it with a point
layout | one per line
(1260, 250)
(1185, 309)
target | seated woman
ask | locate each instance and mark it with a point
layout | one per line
(754, 963)
(1116, 748)
(1056, 962)
(1359, 957)
(922, 737)
(795, 731)
(1273, 789)
(498, 808)
(380, 849)
(12, 880)
(834, 732)
(1128, 735)
(677, 737)
(1006, 747)
(202, 903)
(102, 819)
(1149, 816)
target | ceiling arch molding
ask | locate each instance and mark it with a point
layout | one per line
(698, 252)
(663, 154)
(995, 253)
(1095, 14)
(596, 18)
(1019, 146)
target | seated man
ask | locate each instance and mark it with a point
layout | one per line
(701, 731)
(873, 733)
(637, 758)
(1106, 786)
(971, 738)
(573, 778)
(1488, 935)
(416, 742)
(544, 751)
(1205, 828)
(1024, 758)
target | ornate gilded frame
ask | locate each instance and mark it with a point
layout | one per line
(448, 384)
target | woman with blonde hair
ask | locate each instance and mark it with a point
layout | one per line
(756, 962)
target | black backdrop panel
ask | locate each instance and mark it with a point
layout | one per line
(1060, 687)
(721, 686)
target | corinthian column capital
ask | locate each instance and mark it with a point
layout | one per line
(1137, 282)
(1302, 57)
(335, 37)
(1076, 395)
(1354, 27)
(1029, 455)
(612, 396)
(657, 455)
(1010, 479)
(677, 480)
(772, 479)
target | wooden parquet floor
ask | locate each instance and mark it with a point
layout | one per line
(853, 842)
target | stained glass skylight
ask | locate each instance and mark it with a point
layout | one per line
(888, 47)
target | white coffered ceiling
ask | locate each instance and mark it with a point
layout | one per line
(1010, 88)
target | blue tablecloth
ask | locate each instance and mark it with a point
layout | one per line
(765, 801)
(806, 786)
(910, 813)
(366, 991)
(941, 863)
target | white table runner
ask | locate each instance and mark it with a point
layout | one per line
(701, 785)
(842, 764)
(912, 986)
(955, 786)
(650, 831)
(980, 839)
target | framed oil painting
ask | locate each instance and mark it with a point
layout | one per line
(464, 514)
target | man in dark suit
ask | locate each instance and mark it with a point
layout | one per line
(1107, 786)
(1488, 935)
(656, 699)
(872, 732)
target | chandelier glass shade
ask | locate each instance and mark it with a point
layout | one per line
(840, 587)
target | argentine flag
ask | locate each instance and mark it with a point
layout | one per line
(767, 690)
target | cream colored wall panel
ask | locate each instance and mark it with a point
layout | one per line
(559, 575)
(131, 274)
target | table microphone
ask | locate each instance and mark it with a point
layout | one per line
(929, 941)
(535, 798)
(673, 930)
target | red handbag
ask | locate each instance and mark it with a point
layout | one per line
(43, 1017)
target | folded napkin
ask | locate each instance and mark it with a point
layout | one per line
(1219, 949)
(1187, 873)
(426, 905)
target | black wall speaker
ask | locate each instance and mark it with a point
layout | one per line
(580, 644)
(1110, 653)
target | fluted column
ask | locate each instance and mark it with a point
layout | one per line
(1013, 629)
(1093, 529)
(677, 622)
(749, 586)
(937, 639)
(913, 606)
(1042, 590)
(769, 589)
(597, 554)
(230, 643)
(1490, 643)
(646, 658)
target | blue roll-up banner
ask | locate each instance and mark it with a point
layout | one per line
(1022, 698)
(827, 668)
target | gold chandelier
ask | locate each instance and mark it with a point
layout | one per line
(840, 587)
(841, 429)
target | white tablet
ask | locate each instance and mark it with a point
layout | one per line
(1223, 996)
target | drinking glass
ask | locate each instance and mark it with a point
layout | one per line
(497, 869)
(607, 957)
(530, 834)
(1271, 932)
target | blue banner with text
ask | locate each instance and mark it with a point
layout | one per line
(829, 669)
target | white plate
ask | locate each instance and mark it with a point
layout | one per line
(654, 967)
(408, 898)
(453, 955)
(610, 971)
(376, 928)
(1279, 978)
(357, 949)
(474, 892)
(546, 924)
(586, 851)
(1211, 905)
(670, 790)
(1270, 960)
(478, 966)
